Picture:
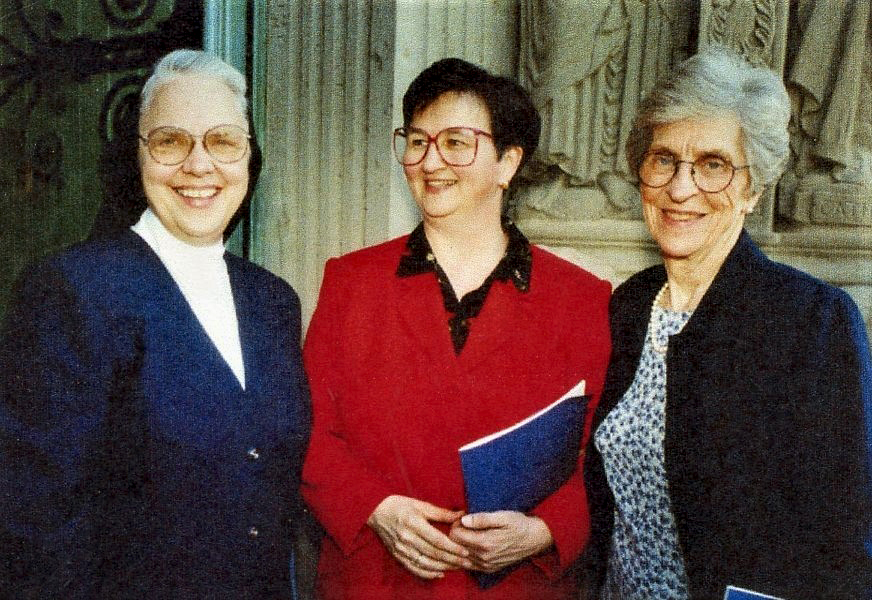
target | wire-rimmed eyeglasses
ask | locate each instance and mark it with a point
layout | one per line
(458, 146)
(710, 173)
(172, 145)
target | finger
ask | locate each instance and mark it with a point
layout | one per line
(479, 563)
(432, 512)
(472, 541)
(486, 520)
(422, 573)
(445, 558)
(438, 545)
(430, 563)
(422, 538)
(420, 566)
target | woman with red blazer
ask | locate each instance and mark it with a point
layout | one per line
(435, 339)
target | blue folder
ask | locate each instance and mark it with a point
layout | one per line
(518, 467)
(736, 593)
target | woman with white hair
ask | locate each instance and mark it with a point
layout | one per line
(729, 447)
(153, 407)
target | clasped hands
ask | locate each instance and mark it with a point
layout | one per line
(481, 542)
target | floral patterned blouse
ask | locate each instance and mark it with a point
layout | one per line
(645, 559)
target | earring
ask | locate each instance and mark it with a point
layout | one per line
(504, 185)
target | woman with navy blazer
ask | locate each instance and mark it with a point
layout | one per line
(730, 446)
(153, 407)
(429, 341)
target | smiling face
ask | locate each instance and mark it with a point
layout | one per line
(686, 222)
(471, 192)
(196, 199)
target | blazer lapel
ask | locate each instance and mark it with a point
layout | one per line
(249, 319)
(207, 367)
(507, 318)
(422, 314)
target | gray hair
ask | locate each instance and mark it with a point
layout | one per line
(715, 81)
(192, 62)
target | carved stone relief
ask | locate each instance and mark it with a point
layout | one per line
(829, 74)
(588, 69)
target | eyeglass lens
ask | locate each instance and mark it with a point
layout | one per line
(172, 145)
(710, 173)
(457, 145)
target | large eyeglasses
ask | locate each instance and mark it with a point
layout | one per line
(457, 146)
(172, 145)
(710, 173)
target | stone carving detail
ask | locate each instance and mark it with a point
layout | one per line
(757, 30)
(829, 74)
(587, 70)
(749, 26)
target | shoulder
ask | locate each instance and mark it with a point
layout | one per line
(373, 263)
(787, 290)
(374, 257)
(638, 291)
(260, 281)
(94, 263)
(559, 275)
(778, 304)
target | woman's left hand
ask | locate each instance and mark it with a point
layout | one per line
(499, 539)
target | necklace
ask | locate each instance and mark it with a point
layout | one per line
(658, 299)
(659, 348)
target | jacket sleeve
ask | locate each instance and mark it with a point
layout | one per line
(844, 391)
(53, 388)
(339, 487)
(566, 510)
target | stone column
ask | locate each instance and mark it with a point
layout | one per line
(225, 35)
(324, 82)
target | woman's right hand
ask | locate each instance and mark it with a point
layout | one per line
(403, 524)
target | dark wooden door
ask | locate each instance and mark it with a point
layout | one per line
(70, 75)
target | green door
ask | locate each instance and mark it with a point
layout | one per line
(70, 74)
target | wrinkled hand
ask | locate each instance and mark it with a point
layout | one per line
(403, 525)
(498, 539)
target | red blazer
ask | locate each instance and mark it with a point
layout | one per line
(392, 403)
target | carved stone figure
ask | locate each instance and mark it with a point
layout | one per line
(829, 73)
(588, 65)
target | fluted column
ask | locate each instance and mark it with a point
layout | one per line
(324, 88)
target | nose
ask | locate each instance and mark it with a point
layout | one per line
(432, 159)
(199, 162)
(682, 186)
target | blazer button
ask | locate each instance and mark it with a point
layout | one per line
(252, 454)
(253, 533)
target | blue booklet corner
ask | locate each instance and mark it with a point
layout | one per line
(518, 467)
(737, 593)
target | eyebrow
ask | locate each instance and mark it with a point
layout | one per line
(662, 149)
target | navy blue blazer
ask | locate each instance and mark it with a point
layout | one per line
(769, 389)
(132, 463)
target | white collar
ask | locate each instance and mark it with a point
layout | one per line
(168, 246)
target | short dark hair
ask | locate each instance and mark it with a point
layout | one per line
(514, 119)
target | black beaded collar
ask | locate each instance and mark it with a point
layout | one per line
(515, 266)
